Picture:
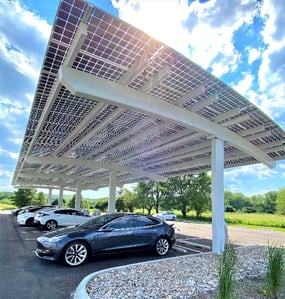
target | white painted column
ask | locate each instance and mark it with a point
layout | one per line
(112, 192)
(49, 197)
(60, 198)
(78, 198)
(218, 216)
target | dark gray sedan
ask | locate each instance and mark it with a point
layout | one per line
(106, 233)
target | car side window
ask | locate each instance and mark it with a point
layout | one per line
(121, 223)
(145, 221)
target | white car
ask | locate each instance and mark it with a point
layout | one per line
(27, 217)
(166, 216)
(53, 218)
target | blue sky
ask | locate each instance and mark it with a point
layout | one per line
(230, 38)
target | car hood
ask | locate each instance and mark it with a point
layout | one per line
(64, 231)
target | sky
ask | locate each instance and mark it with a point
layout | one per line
(234, 40)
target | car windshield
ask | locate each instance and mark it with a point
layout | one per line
(98, 221)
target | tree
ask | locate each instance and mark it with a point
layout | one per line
(129, 200)
(102, 204)
(40, 199)
(280, 202)
(189, 192)
(145, 196)
(237, 200)
(84, 203)
(199, 193)
(24, 197)
(176, 193)
(270, 202)
(120, 204)
(159, 191)
(257, 202)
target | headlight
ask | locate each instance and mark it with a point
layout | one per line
(55, 239)
(46, 240)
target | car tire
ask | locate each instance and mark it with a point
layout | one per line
(75, 254)
(162, 246)
(51, 224)
(30, 222)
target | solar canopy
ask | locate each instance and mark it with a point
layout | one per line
(112, 98)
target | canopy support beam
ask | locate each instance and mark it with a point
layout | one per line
(78, 198)
(218, 216)
(60, 199)
(88, 86)
(112, 192)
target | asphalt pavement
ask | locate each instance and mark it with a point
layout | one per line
(25, 276)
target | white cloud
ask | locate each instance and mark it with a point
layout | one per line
(23, 39)
(163, 21)
(14, 156)
(259, 171)
(5, 174)
(244, 86)
(272, 70)
(22, 63)
(253, 54)
(5, 152)
(17, 141)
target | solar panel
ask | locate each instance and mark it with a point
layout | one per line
(101, 135)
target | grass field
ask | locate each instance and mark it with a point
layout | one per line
(6, 206)
(253, 220)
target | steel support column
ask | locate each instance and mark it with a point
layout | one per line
(78, 198)
(218, 217)
(49, 197)
(60, 199)
(112, 192)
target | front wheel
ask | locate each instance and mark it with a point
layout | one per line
(75, 254)
(51, 224)
(30, 222)
(162, 246)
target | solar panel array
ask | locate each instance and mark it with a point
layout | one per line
(66, 128)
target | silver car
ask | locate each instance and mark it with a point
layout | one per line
(166, 216)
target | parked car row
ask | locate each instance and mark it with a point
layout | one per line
(26, 215)
(88, 235)
(51, 217)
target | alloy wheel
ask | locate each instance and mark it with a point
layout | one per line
(162, 246)
(75, 254)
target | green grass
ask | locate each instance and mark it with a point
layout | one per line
(6, 206)
(274, 281)
(270, 221)
(227, 270)
(254, 220)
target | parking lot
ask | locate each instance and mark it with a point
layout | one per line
(23, 275)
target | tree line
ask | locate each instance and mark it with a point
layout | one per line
(184, 193)
(191, 193)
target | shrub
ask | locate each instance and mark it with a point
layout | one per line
(275, 271)
(249, 210)
(227, 269)
(230, 209)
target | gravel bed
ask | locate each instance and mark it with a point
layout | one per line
(191, 276)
